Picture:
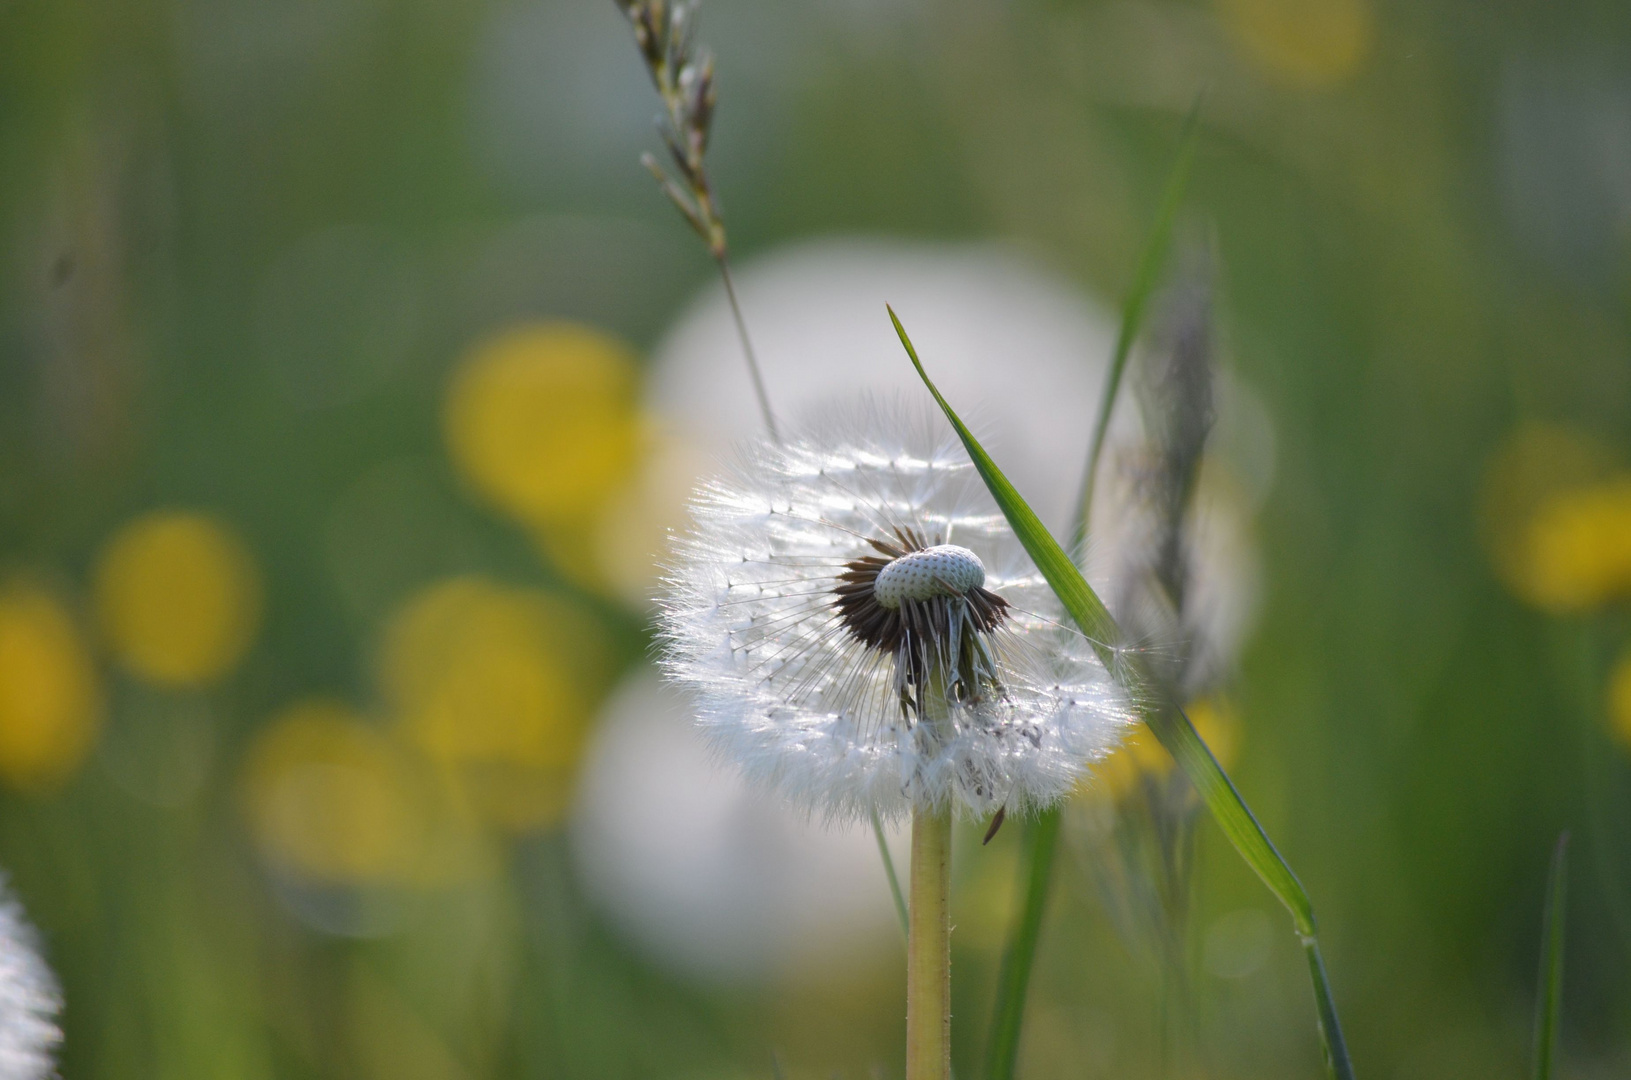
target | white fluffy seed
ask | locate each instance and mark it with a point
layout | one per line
(943, 570)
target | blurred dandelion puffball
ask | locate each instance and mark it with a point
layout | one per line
(1020, 353)
(710, 878)
(865, 634)
(178, 596)
(50, 703)
(29, 999)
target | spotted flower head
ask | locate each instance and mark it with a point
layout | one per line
(866, 634)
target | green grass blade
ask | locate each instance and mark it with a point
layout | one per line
(1549, 1006)
(1148, 273)
(1159, 710)
(889, 872)
(1002, 1050)
(1003, 1046)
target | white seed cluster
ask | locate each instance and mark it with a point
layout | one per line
(942, 570)
(29, 998)
(752, 623)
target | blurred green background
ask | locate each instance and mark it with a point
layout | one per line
(323, 327)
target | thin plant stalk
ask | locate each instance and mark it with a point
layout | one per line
(928, 949)
(1150, 261)
(1158, 707)
(664, 31)
(889, 872)
(1549, 1005)
(759, 390)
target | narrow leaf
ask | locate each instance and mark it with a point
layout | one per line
(889, 872)
(1003, 1046)
(1549, 1005)
(1145, 277)
(1158, 709)
(1041, 840)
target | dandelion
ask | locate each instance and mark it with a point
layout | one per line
(29, 999)
(866, 635)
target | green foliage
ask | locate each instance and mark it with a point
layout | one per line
(1161, 712)
(1145, 278)
(1549, 1003)
(1002, 1050)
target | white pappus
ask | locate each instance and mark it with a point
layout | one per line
(865, 633)
(29, 998)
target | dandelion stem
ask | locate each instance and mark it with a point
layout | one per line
(928, 949)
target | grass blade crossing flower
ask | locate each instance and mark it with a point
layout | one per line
(1002, 1048)
(1162, 713)
(866, 635)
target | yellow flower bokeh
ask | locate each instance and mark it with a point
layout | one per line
(50, 700)
(178, 597)
(1525, 527)
(1310, 44)
(332, 800)
(1141, 753)
(632, 534)
(495, 685)
(1579, 545)
(543, 421)
(1619, 702)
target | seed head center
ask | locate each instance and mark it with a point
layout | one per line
(942, 570)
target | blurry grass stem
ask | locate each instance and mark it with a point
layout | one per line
(1041, 839)
(1549, 1005)
(1159, 709)
(889, 872)
(664, 32)
(1145, 277)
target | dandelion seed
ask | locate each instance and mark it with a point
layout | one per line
(29, 999)
(865, 633)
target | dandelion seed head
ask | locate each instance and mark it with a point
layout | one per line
(864, 632)
(29, 999)
(942, 570)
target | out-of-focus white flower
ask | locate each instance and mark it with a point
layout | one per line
(29, 998)
(710, 878)
(1021, 353)
(865, 633)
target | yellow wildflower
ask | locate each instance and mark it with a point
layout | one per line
(178, 596)
(50, 703)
